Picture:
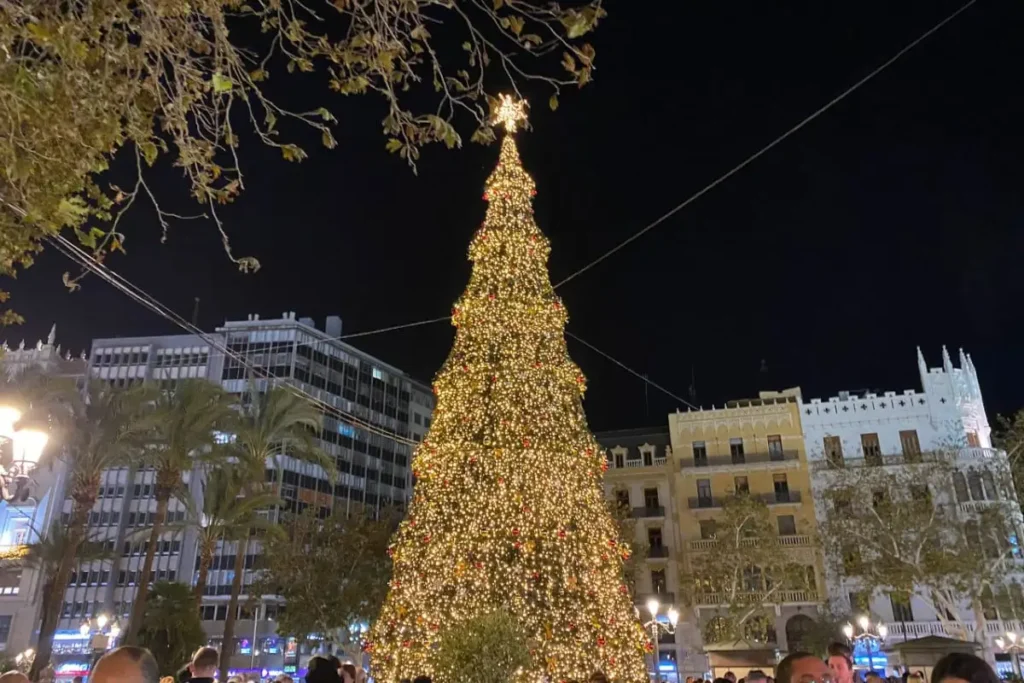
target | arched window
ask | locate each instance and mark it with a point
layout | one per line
(991, 492)
(974, 484)
(960, 486)
(798, 629)
(716, 630)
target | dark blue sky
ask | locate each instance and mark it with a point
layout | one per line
(892, 221)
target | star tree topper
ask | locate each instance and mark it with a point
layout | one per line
(510, 112)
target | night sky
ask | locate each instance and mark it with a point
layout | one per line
(892, 221)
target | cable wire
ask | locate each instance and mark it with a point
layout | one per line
(631, 370)
(743, 164)
(137, 294)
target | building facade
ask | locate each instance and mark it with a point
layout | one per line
(373, 471)
(639, 479)
(897, 430)
(22, 522)
(755, 448)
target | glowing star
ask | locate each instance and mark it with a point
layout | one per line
(509, 113)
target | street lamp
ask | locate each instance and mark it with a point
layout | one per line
(1013, 646)
(655, 626)
(27, 447)
(872, 640)
(104, 634)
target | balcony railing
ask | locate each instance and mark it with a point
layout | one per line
(741, 461)
(907, 630)
(657, 552)
(959, 454)
(795, 597)
(649, 511)
(775, 498)
(664, 598)
(789, 541)
(638, 462)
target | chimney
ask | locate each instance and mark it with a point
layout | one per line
(308, 322)
(332, 326)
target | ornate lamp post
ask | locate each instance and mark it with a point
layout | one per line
(655, 627)
(873, 640)
(27, 446)
(1013, 646)
(104, 634)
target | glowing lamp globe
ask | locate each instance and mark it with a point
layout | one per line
(8, 418)
(28, 447)
(652, 607)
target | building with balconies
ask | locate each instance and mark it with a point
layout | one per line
(755, 448)
(946, 419)
(640, 479)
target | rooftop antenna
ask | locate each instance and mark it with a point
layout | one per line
(693, 386)
(647, 400)
(195, 312)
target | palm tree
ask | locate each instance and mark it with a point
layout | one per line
(101, 428)
(273, 423)
(173, 630)
(226, 515)
(183, 423)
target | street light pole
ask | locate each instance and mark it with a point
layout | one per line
(872, 640)
(27, 447)
(656, 627)
(1012, 646)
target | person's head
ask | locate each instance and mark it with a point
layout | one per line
(873, 677)
(322, 670)
(348, 673)
(204, 663)
(333, 659)
(15, 677)
(802, 667)
(126, 664)
(284, 678)
(756, 676)
(76, 679)
(730, 676)
(960, 667)
(840, 660)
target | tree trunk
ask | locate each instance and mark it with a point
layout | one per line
(228, 646)
(205, 560)
(142, 582)
(53, 603)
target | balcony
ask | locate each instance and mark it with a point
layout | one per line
(704, 502)
(644, 462)
(908, 630)
(657, 552)
(787, 541)
(796, 597)
(665, 598)
(666, 638)
(649, 512)
(895, 459)
(780, 498)
(747, 461)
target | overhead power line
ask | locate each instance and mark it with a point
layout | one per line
(137, 294)
(764, 150)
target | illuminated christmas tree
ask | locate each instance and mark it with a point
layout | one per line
(507, 510)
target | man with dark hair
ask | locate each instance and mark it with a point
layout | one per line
(802, 667)
(126, 664)
(840, 660)
(203, 667)
(730, 676)
(756, 676)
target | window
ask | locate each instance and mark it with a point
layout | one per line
(781, 488)
(833, 448)
(871, 448)
(974, 483)
(417, 419)
(651, 498)
(736, 451)
(5, 628)
(877, 497)
(775, 448)
(990, 485)
(10, 582)
(742, 485)
(920, 493)
(707, 529)
(622, 498)
(654, 539)
(901, 610)
(700, 454)
(972, 440)
(910, 445)
(787, 525)
(659, 584)
(752, 579)
(960, 487)
(704, 492)
(619, 461)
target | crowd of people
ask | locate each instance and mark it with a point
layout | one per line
(129, 664)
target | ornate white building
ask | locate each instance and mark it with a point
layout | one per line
(893, 429)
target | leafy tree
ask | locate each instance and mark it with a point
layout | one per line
(898, 530)
(226, 515)
(170, 78)
(171, 628)
(103, 427)
(1009, 436)
(183, 421)
(745, 571)
(332, 572)
(272, 424)
(489, 648)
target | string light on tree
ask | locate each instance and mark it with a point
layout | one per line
(507, 511)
